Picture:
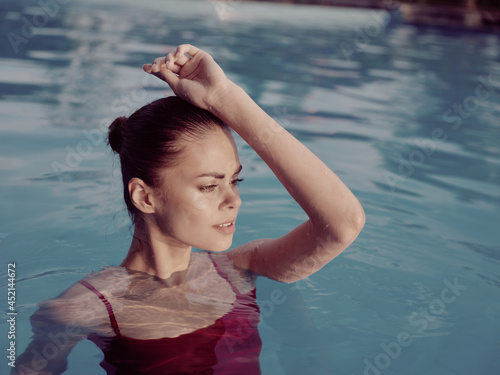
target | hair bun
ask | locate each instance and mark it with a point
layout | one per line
(115, 134)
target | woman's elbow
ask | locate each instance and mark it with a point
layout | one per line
(359, 220)
(350, 228)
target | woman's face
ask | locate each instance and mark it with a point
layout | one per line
(199, 196)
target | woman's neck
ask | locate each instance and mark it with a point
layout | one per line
(153, 253)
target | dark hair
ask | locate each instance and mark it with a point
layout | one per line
(149, 139)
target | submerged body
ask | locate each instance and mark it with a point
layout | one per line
(211, 326)
(203, 323)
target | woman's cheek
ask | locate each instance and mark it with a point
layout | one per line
(194, 206)
(199, 201)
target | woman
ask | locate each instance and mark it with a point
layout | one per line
(167, 309)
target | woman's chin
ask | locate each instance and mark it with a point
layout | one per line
(220, 247)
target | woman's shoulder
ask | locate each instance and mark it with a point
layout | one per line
(80, 306)
(241, 279)
(109, 281)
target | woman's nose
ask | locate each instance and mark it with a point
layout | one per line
(232, 197)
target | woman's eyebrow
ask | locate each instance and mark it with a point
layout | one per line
(219, 175)
(238, 170)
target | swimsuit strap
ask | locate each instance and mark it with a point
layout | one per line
(223, 275)
(111, 314)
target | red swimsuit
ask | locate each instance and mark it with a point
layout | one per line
(229, 346)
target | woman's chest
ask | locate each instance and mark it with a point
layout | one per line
(152, 312)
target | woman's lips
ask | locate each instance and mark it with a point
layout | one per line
(226, 228)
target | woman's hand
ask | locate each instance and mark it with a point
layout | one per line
(192, 74)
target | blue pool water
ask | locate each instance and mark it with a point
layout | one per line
(407, 116)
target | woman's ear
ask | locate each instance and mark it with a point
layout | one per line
(141, 195)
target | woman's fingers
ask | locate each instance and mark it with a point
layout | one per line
(168, 68)
(174, 61)
(168, 76)
(162, 72)
(155, 66)
(186, 51)
(159, 62)
(178, 57)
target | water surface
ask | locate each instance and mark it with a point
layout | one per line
(396, 113)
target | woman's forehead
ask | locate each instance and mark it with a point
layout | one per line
(214, 152)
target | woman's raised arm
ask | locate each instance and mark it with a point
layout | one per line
(335, 215)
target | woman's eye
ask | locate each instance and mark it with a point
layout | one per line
(237, 181)
(208, 188)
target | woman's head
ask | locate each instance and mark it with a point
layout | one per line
(180, 153)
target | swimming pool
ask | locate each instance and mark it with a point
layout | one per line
(407, 116)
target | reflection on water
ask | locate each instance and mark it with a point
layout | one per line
(402, 121)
